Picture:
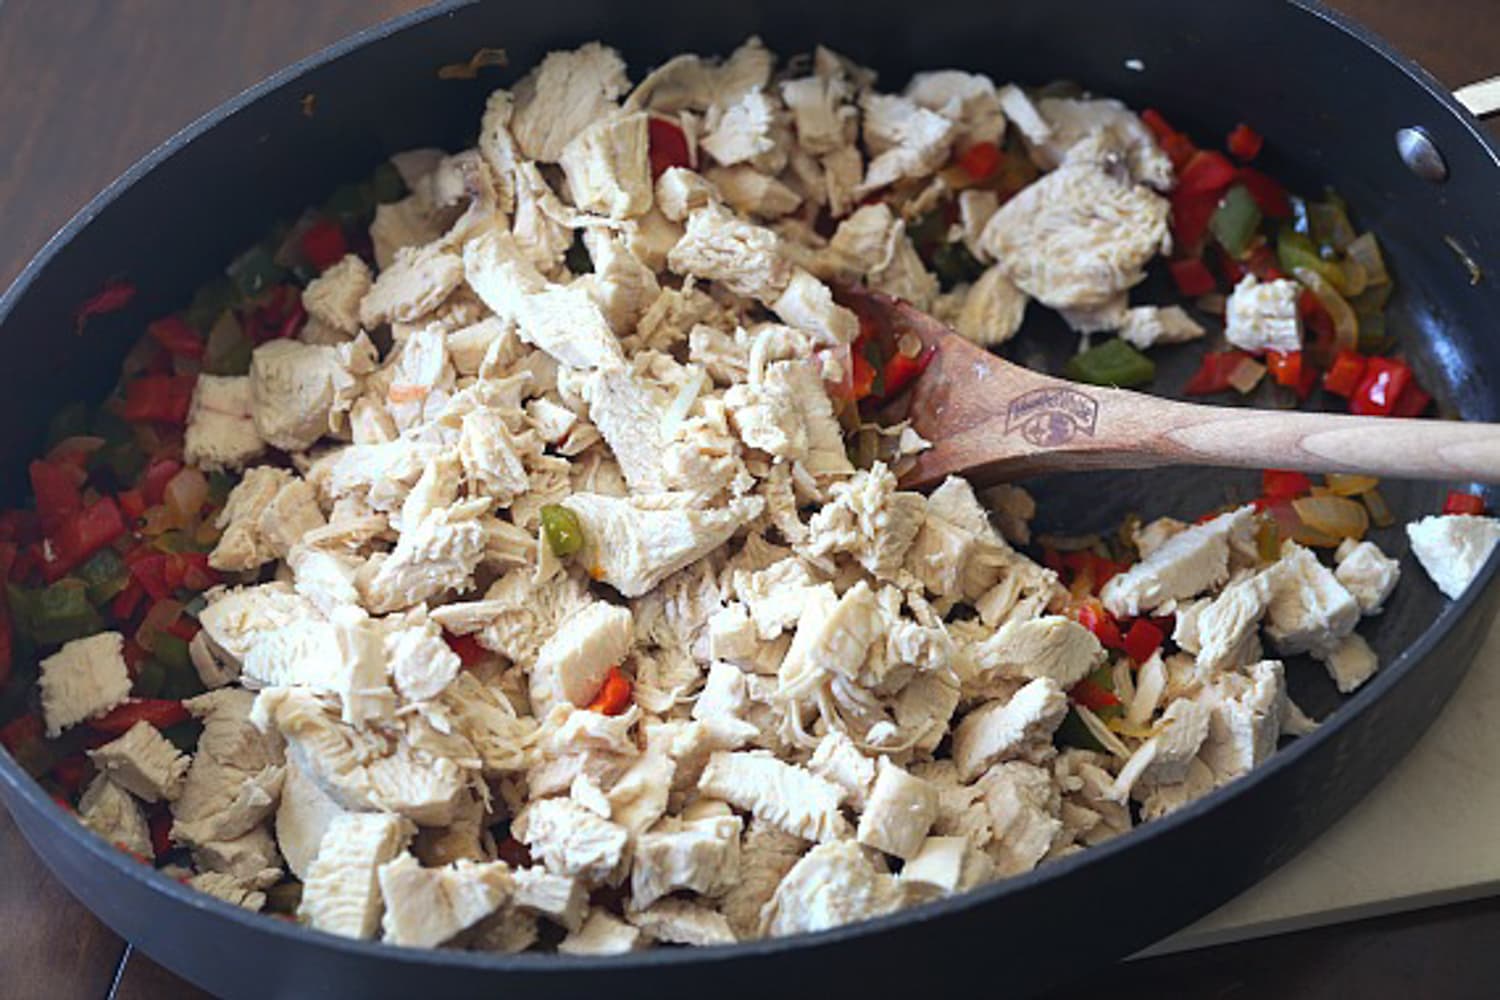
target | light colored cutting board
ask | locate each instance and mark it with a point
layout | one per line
(1424, 836)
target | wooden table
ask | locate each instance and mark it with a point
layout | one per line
(88, 86)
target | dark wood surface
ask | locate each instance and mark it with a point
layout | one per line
(88, 86)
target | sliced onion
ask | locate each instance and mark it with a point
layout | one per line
(1380, 511)
(1344, 484)
(1345, 322)
(682, 404)
(1366, 250)
(159, 520)
(1246, 375)
(160, 618)
(1335, 517)
(186, 493)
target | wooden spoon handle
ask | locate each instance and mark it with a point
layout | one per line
(1326, 442)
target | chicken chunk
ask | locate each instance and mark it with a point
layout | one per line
(1185, 565)
(1247, 708)
(1263, 316)
(426, 906)
(1069, 120)
(904, 139)
(562, 899)
(303, 816)
(601, 934)
(267, 512)
(221, 430)
(571, 840)
(1023, 807)
(572, 664)
(678, 921)
(1148, 326)
(437, 555)
(999, 730)
(745, 258)
(834, 636)
(789, 797)
(1164, 758)
(900, 810)
(144, 763)
(1367, 573)
(832, 885)
(1453, 548)
(992, 310)
(85, 678)
(807, 304)
(1310, 611)
(607, 168)
(1051, 646)
(701, 856)
(741, 129)
(565, 94)
(868, 518)
(1350, 663)
(333, 297)
(110, 811)
(298, 390)
(342, 892)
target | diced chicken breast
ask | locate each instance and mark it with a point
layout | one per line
(1453, 548)
(571, 840)
(267, 512)
(1367, 573)
(832, 885)
(745, 258)
(1051, 646)
(1310, 611)
(144, 763)
(903, 139)
(437, 555)
(1351, 662)
(992, 310)
(109, 810)
(968, 99)
(572, 664)
(607, 168)
(1226, 627)
(807, 304)
(678, 921)
(821, 114)
(1147, 326)
(789, 797)
(562, 899)
(341, 893)
(1023, 808)
(740, 129)
(426, 906)
(868, 518)
(298, 389)
(302, 818)
(900, 810)
(701, 856)
(1247, 709)
(1183, 566)
(1164, 758)
(1263, 316)
(998, 730)
(333, 297)
(221, 430)
(601, 934)
(567, 92)
(833, 638)
(87, 677)
(1069, 120)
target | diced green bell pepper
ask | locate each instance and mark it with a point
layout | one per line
(1113, 362)
(1294, 250)
(55, 614)
(210, 302)
(1073, 733)
(149, 679)
(1235, 221)
(172, 652)
(255, 270)
(105, 575)
(563, 531)
(70, 421)
(386, 184)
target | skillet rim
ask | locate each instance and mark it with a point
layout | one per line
(31, 794)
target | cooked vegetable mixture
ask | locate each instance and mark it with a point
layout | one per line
(507, 554)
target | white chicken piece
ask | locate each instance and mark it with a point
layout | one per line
(824, 119)
(235, 619)
(832, 885)
(1077, 237)
(341, 893)
(967, 99)
(1350, 662)
(998, 730)
(807, 304)
(567, 92)
(766, 855)
(1310, 611)
(1367, 573)
(437, 555)
(1247, 709)
(1185, 565)
(573, 663)
(1164, 757)
(787, 796)
(1023, 807)
(903, 139)
(571, 840)
(235, 778)
(680, 192)
(741, 129)
(945, 865)
(900, 810)
(230, 889)
(1148, 326)
(633, 543)
(724, 701)
(1226, 627)
(785, 413)
(1262, 316)
(623, 285)
(743, 257)
(303, 816)
(993, 309)
(426, 906)
(109, 810)
(627, 410)
(562, 899)
(221, 430)
(840, 761)
(1051, 646)
(420, 663)
(144, 763)
(775, 596)
(1069, 120)
(85, 678)
(607, 167)
(833, 638)
(601, 934)
(701, 856)
(678, 921)
(333, 297)
(1453, 548)
(366, 769)
(299, 390)
(267, 512)
(868, 518)
(410, 222)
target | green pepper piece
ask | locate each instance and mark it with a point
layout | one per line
(71, 421)
(386, 184)
(1235, 221)
(564, 532)
(172, 652)
(954, 265)
(1073, 733)
(1372, 335)
(351, 203)
(577, 258)
(1328, 225)
(1294, 250)
(210, 302)
(227, 350)
(149, 679)
(55, 614)
(1113, 362)
(105, 575)
(254, 271)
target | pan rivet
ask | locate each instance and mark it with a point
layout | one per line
(1420, 154)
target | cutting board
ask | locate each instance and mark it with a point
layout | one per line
(1424, 836)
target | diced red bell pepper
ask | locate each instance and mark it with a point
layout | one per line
(149, 569)
(1191, 212)
(667, 145)
(1093, 617)
(80, 536)
(1106, 570)
(114, 296)
(1178, 147)
(323, 244)
(1213, 374)
(154, 480)
(1459, 502)
(70, 772)
(178, 338)
(158, 398)
(190, 570)
(56, 492)
(160, 825)
(159, 712)
(132, 503)
(1283, 484)
(1384, 381)
(614, 694)
(1270, 197)
(1262, 263)
(980, 160)
(1192, 277)
(124, 606)
(1412, 402)
(22, 731)
(1143, 638)
(862, 378)
(279, 316)
(469, 651)
(1244, 142)
(1231, 269)
(184, 628)
(901, 371)
(26, 562)
(1093, 697)
(1207, 172)
(1285, 367)
(1345, 374)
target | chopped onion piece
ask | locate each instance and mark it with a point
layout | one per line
(683, 404)
(1366, 250)
(1246, 375)
(1344, 484)
(1380, 511)
(160, 618)
(185, 494)
(1345, 323)
(1101, 732)
(1335, 517)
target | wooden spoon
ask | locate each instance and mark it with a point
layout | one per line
(989, 419)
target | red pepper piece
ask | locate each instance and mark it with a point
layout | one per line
(1191, 212)
(160, 825)
(156, 477)
(1213, 374)
(22, 731)
(177, 337)
(1106, 570)
(1207, 172)
(1178, 147)
(158, 398)
(1270, 197)
(981, 160)
(132, 503)
(323, 244)
(863, 375)
(159, 712)
(614, 694)
(114, 296)
(1384, 381)
(1283, 484)
(149, 569)
(1346, 373)
(1231, 269)
(1143, 639)
(56, 493)
(81, 536)
(127, 601)
(280, 315)
(470, 652)
(901, 371)
(1285, 367)
(1244, 142)
(1459, 502)
(1192, 277)
(1093, 697)
(1100, 622)
(668, 146)
(70, 772)
(1412, 402)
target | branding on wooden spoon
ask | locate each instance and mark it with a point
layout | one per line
(1051, 417)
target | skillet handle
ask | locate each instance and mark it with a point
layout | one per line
(1482, 97)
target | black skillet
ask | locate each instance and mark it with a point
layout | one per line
(1328, 95)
